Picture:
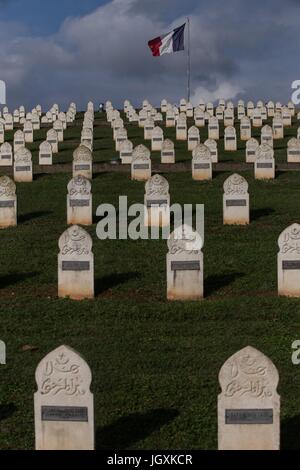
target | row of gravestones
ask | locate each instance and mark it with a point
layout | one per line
(248, 405)
(203, 113)
(264, 162)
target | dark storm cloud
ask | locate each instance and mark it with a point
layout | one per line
(239, 49)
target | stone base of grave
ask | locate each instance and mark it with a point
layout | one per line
(168, 159)
(230, 146)
(182, 283)
(192, 145)
(264, 173)
(79, 215)
(293, 158)
(288, 272)
(236, 210)
(8, 217)
(23, 176)
(75, 284)
(202, 175)
(6, 161)
(181, 135)
(141, 175)
(45, 160)
(157, 217)
(213, 134)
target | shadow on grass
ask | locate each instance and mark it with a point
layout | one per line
(262, 212)
(6, 411)
(32, 215)
(130, 429)
(15, 278)
(216, 282)
(290, 433)
(108, 282)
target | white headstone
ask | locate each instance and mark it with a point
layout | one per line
(236, 201)
(288, 261)
(8, 202)
(141, 163)
(23, 166)
(157, 202)
(201, 163)
(83, 162)
(79, 201)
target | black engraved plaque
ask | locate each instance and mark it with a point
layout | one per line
(168, 154)
(291, 264)
(249, 416)
(185, 265)
(7, 203)
(141, 166)
(65, 413)
(75, 265)
(157, 202)
(82, 167)
(201, 166)
(6, 157)
(236, 202)
(79, 202)
(264, 165)
(23, 168)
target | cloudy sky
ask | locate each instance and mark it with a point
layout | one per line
(77, 50)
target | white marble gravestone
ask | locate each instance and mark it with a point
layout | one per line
(230, 142)
(83, 162)
(126, 149)
(189, 110)
(9, 122)
(53, 140)
(219, 113)
(181, 127)
(201, 163)
(213, 147)
(23, 166)
(36, 122)
(63, 403)
(75, 264)
(79, 201)
(163, 105)
(148, 128)
(199, 117)
(121, 136)
(277, 125)
(267, 135)
(185, 265)
(8, 202)
(2, 135)
(286, 116)
(245, 128)
(228, 117)
(141, 163)
(193, 137)
(213, 128)
(157, 138)
(264, 165)
(170, 118)
(248, 405)
(6, 154)
(235, 201)
(168, 151)
(28, 132)
(45, 153)
(157, 202)
(250, 108)
(293, 150)
(210, 108)
(251, 147)
(143, 115)
(59, 128)
(288, 261)
(270, 108)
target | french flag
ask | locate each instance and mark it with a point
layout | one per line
(170, 42)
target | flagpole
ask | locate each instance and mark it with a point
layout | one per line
(188, 61)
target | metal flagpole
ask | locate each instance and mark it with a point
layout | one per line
(188, 61)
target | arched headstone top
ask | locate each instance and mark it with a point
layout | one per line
(201, 152)
(63, 373)
(7, 187)
(157, 185)
(249, 374)
(141, 153)
(79, 186)
(229, 131)
(6, 147)
(126, 146)
(235, 184)
(23, 155)
(185, 240)
(82, 154)
(252, 143)
(289, 240)
(75, 241)
(295, 143)
(264, 152)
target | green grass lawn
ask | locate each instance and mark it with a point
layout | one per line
(155, 363)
